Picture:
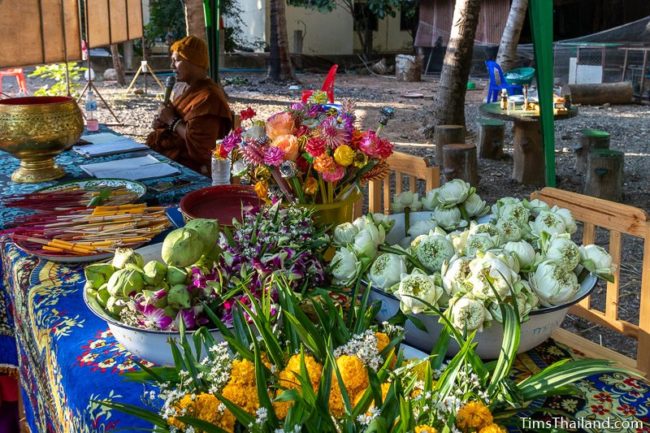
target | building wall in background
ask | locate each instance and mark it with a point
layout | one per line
(323, 33)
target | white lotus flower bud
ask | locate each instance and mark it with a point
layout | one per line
(566, 216)
(515, 211)
(345, 267)
(417, 285)
(387, 270)
(459, 241)
(553, 284)
(430, 201)
(526, 300)
(563, 251)
(406, 199)
(454, 275)
(367, 241)
(361, 222)
(386, 221)
(468, 313)
(509, 230)
(448, 219)
(344, 234)
(597, 260)
(496, 207)
(488, 228)
(433, 250)
(523, 252)
(422, 227)
(475, 206)
(490, 273)
(547, 222)
(453, 192)
(480, 242)
(536, 206)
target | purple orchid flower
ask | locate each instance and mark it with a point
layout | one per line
(154, 316)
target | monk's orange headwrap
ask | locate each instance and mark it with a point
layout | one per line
(192, 49)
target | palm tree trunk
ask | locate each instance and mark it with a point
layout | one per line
(507, 56)
(449, 104)
(280, 67)
(195, 19)
(286, 68)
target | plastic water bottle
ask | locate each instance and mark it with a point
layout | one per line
(92, 124)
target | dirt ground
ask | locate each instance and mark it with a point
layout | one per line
(629, 126)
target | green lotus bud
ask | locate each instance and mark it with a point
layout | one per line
(176, 275)
(124, 282)
(182, 247)
(207, 229)
(154, 273)
(205, 263)
(103, 295)
(98, 274)
(127, 255)
(178, 296)
(115, 305)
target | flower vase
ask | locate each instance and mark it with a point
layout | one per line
(333, 214)
(220, 171)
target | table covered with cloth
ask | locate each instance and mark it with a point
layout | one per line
(69, 360)
(161, 190)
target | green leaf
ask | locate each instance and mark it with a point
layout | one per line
(511, 336)
(136, 411)
(203, 425)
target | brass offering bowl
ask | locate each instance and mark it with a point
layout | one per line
(35, 130)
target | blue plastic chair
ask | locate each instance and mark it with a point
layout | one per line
(494, 88)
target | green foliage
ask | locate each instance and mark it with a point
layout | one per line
(57, 72)
(167, 19)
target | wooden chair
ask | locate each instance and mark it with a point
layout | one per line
(619, 220)
(401, 164)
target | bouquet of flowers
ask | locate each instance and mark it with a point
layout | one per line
(522, 252)
(312, 153)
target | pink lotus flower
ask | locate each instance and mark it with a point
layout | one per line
(374, 146)
(280, 124)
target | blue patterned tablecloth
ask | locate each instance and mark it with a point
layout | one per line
(69, 359)
(181, 184)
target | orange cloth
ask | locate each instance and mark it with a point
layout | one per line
(192, 49)
(207, 118)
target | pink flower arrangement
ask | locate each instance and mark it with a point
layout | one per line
(311, 153)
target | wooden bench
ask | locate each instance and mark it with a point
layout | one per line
(619, 220)
(401, 164)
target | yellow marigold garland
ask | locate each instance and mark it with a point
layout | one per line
(206, 408)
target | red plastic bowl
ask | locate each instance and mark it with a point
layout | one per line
(221, 202)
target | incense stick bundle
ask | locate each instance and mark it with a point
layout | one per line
(88, 232)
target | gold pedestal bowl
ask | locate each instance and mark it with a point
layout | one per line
(35, 130)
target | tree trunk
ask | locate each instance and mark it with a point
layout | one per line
(286, 68)
(195, 19)
(590, 139)
(117, 65)
(490, 139)
(447, 134)
(449, 104)
(507, 56)
(280, 68)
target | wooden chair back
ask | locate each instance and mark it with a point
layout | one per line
(415, 168)
(619, 220)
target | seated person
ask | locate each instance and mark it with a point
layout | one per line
(186, 129)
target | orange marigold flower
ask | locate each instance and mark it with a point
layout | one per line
(241, 388)
(289, 380)
(205, 407)
(425, 429)
(493, 428)
(324, 163)
(473, 415)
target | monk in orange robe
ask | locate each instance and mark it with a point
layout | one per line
(186, 130)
